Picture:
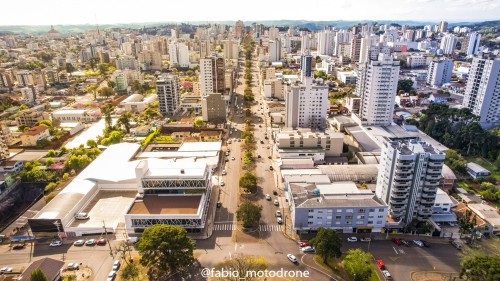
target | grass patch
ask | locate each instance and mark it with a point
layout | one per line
(332, 265)
(465, 186)
(374, 276)
(495, 171)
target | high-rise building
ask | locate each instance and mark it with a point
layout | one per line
(306, 104)
(231, 49)
(482, 93)
(205, 48)
(24, 78)
(4, 150)
(239, 29)
(274, 48)
(167, 89)
(213, 108)
(305, 67)
(443, 26)
(273, 33)
(342, 37)
(29, 94)
(325, 42)
(127, 62)
(377, 84)
(149, 60)
(439, 72)
(6, 80)
(305, 42)
(179, 54)
(212, 75)
(366, 43)
(448, 44)
(408, 179)
(121, 81)
(474, 39)
(356, 48)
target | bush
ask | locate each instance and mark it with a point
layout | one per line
(50, 187)
(49, 197)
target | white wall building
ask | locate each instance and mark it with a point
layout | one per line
(138, 103)
(448, 43)
(274, 49)
(439, 72)
(474, 40)
(167, 89)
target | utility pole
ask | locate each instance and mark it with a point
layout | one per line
(107, 240)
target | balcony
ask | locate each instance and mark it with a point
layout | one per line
(431, 183)
(402, 184)
(404, 164)
(435, 164)
(429, 195)
(433, 172)
(429, 190)
(433, 177)
(399, 195)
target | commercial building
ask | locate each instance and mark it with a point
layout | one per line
(33, 135)
(376, 86)
(212, 75)
(409, 175)
(414, 61)
(339, 205)
(167, 89)
(482, 94)
(138, 103)
(439, 72)
(274, 50)
(213, 108)
(328, 142)
(307, 104)
(76, 115)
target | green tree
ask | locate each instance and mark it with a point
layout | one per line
(23, 107)
(103, 69)
(466, 223)
(129, 272)
(106, 92)
(405, 85)
(51, 153)
(166, 248)
(249, 182)
(327, 243)
(91, 143)
(111, 84)
(455, 161)
(244, 264)
(199, 123)
(480, 267)
(92, 89)
(69, 68)
(357, 264)
(124, 121)
(249, 213)
(38, 275)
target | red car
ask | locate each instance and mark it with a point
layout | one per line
(18, 247)
(303, 244)
(396, 241)
(380, 264)
(101, 241)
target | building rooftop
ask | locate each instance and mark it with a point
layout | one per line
(476, 168)
(166, 205)
(356, 173)
(35, 130)
(50, 267)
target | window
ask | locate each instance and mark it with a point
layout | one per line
(310, 217)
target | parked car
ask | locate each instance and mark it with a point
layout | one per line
(101, 241)
(457, 245)
(111, 276)
(55, 243)
(396, 241)
(418, 243)
(219, 204)
(352, 239)
(222, 182)
(380, 264)
(406, 243)
(73, 266)
(224, 172)
(278, 213)
(79, 242)
(279, 220)
(366, 239)
(303, 244)
(308, 249)
(18, 247)
(90, 242)
(276, 202)
(275, 192)
(5, 270)
(116, 265)
(82, 216)
(426, 244)
(232, 158)
(387, 275)
(292, 258)
(268, 197)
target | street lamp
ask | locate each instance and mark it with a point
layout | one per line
(57, 223)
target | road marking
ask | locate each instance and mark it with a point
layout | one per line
(395, 250)
(218, 226)
(393, 258)
(401, 251)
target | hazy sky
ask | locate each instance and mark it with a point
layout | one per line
(45, 12)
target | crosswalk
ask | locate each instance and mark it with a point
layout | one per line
(262, 227)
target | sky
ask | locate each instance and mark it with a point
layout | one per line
(57, 12)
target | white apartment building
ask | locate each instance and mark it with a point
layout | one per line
(439, 72)
(29, 94)
(329, 142)
(167, 89)
(482, 93)
(367, 42)
(273, 89)
(307, 104)
(415, 61)
(179, 54)
(126, 62)
(149, 60)
(121, 81)
(231, 49)
(474, 40)
(326, 40)
(377, 85)
(274, 50)
(448, 43)
(347, 77)
(408, 179)
(273, 33)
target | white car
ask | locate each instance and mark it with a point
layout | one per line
(352, 239)
(73, 266)
(308, 249)
(116, 265)
(90, 242)
(232, 158)
(276, 202)
(418, 243)
(279, 220)
(224, 172)
(366, 239)
(222, 183)
(268, 197)
(111, 276)
(79, 242)
(292, 258)
(55, 243)
(6, 270)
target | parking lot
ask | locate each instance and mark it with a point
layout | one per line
(401, 260)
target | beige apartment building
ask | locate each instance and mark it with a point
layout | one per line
(329, 142)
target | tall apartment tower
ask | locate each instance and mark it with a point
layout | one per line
(274, 33)
(305, 43)
(482, 93)
(274, 49)
(231, 49)
(408, 178)
(305, 67)
(443, 26)
(474, 39)
(377, 84)
(239, 29)
(29, 94)
(448, 43)
(306, 104)
(4, 150)
(213, 108)
(167, 88)
(356, 48)
(212, 75)
(366, 43)
(439, 72)
(326, 40)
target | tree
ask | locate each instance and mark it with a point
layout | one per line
(480, 267)
(405, 85)
(103, 70)
(327, 243)
(466, 223)
(249, 213)
(357, 264)
(199, 123)
(243, 264)
(106, 92)
(92, 89)
(129, 272)
(91, 143)
(38, 275)
(70, 68)
(249, 182)
(23, 107)
(111, 84)
(166, 248)
(51, 153)
(455, 161)
(124, 120)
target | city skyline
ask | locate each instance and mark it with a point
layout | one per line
(56, 12)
